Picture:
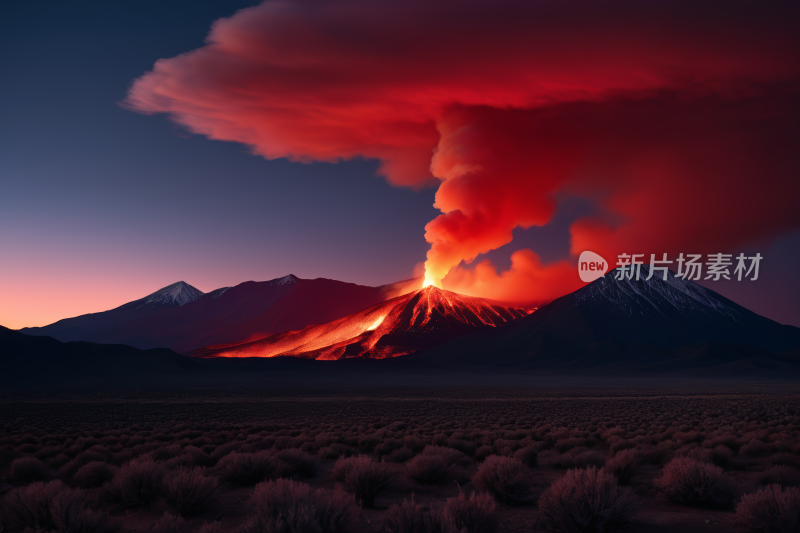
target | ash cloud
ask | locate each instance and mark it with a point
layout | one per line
(677, 119)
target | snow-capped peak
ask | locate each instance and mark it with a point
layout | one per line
(291, 279)
(676, 292)
(175, 295)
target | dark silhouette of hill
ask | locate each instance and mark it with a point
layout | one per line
(403, 325)
(250, 310)
(26, 358)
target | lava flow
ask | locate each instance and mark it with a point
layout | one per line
(400, 326)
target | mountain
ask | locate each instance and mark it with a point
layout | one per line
(25, 358)
(400, 326)
(627, 325)
(89, 327)
(182, 318)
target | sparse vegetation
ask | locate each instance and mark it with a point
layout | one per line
(586, 501)
(292, 506)
(772, 509)
(363, 477)
(124, 453)
(691, 482)
(506, 479)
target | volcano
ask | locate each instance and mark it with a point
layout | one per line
(404, 325)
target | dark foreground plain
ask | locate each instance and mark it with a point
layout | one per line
(202, 449)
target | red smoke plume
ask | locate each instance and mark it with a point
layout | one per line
(677, 119)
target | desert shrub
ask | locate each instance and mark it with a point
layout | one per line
(449, 455)
(580, 458)
(399, 455)
(687, 481)
(475, 514)
(169, 523)
(527, 456)
(189, 490)
(28, 469)
(782, 475)
(482, 453)
(139, 481)
(334, 451)
(52, 507)
(362, 476)
(624, 465)
(299, 462)
(586, 501)
(427, 469)
(755, 448)
(250, 468)
(190, 456)
(285, 506)
(94, 474)
(505, 478)
(410, 517)
(772, 509)
(721, 455)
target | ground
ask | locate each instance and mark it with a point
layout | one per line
(662, 419)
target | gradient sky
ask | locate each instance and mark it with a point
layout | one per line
(101, 205)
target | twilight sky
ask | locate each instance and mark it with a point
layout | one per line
(666, 130)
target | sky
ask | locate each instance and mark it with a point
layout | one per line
(314, 139)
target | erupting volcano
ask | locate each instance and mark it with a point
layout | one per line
(400, 326)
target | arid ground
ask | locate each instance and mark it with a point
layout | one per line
(747, 431)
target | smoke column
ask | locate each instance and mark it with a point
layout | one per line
(675, 119)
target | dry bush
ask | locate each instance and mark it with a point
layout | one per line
(250, 468)
(428, 469)
(770, 510)
(624, 465)
(410, 517)
(505, 478)
(482, 453)
(580, 458)
(474, 513)
(169, 523)
(527, 456)
(782, 475)
(285, 506)
(52, 507)
(755, 448)
(139, 482)
(28, 469)
(399, 455)
(691, 482)
(299, 462)
(94, 474)
(586, 501)
(362, 476)
(334, 451)
(189, 490)
(449, 455)
(722, 455)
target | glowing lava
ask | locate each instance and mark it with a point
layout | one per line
(400, 326)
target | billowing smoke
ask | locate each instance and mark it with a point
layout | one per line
(678, 120)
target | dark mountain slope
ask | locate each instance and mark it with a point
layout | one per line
(628, 325)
